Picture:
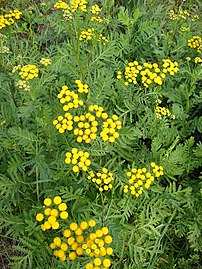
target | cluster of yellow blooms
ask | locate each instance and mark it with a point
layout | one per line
(29, 72)
(82, 88)
(61, 5)
(72, 241)
(90, 34)
(140, 178)
(102, 38)
(78, 4)
(45, 61)
(109, 129)
(4, 50)
(8, 19)
(74, 5)
(64, 123)
(195, 43)
(22, 84)
(87, 34)
(16, 68)
(184, 29)
(97, 19)
(162, 112)
(77, 241)
(2, 122)
(86, 128)
(198, 60)
(182, 15)
(79, 159)
(95, 9)
(68, 11)
(103, 180)
(69, 99)
(53, 209)
(147, 73)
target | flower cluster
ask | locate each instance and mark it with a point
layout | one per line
(2, 122)
(198, 60)
(96, 245)
(78, 241)
(182, 15)
(102, 179)
(64, 123)
(86, 129)
(22, 84)
(162, 112)
(82, 88)
(5, 50)
(72, 240)
(90, 34)
(74, 5)
(8, 19)
(97, 19)
(29, 72)
(45, 61)
(85, 126)
(53, 210)
(185, 29)
(195, 43)
(16, 68)
(147, 73)
(79, 159)
(69, 99)
(95, 9)
(78, 4)
(108, 132)
(140, 178)
(87, 34)
(102, 38)
(61, 5)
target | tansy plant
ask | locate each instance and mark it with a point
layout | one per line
(100, 128)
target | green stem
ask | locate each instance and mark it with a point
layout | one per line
(103, 207)
(37, 170)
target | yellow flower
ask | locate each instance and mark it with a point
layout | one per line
(57, 200)
(47, 202)
(108, 239)
(39, 217)
(106, 263)
(64, 215)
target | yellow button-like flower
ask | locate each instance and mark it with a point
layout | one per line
(67, 233)
(57, 241)
(54, 212)
(89, 266)
(105, 230)
(106, 263)
(52, 219)
(97, 261)
(47, 202)
(83, 225)
(92, 223)
(62, 207)
(39, 217)
(73, 226)
(108, 239)
(64, 215)
(57, 200)
(55, 225)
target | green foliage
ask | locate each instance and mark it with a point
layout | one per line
(162, 227)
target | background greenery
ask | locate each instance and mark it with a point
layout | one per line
(161, 228)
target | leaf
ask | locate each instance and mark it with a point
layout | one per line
(123, 16)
